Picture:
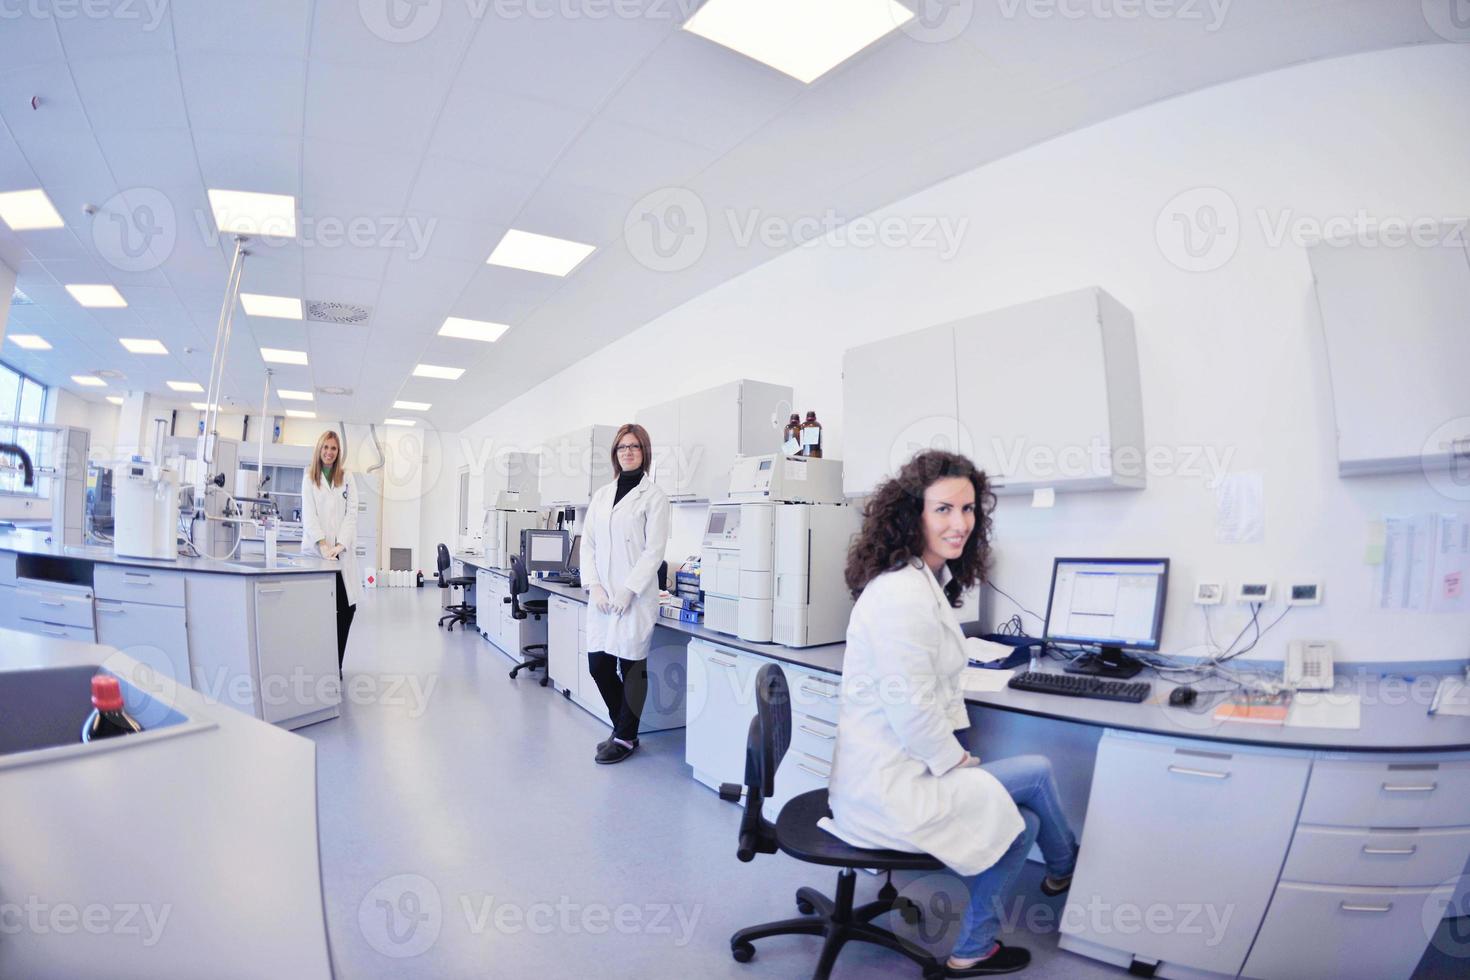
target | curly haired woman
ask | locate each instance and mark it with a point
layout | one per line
(901, 778)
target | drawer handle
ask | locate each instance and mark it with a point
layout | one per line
(51, 602)
(813, 731)
(1370, 849)
(51, 632)
(722, 663)
(273, 591)
(1349, 907)
(1186, 771)
(117, 610)
(130, 579)
(1412, 788)
(827, 693)
(815, 772)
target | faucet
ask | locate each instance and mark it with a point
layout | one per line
(10, 449)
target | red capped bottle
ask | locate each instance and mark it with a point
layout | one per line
(108, 717)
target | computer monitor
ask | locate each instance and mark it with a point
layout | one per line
(574, 554)
(544, 551)
(1115, 604)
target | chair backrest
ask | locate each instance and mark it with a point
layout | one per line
(519, 583)
(441, 557)
(766, 743)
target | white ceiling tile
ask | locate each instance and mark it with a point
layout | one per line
(424, 38)
(348, 261)
(367, 180)
(429, 277)
(505, 295)
(101, 28)
(281, 27)
(469, 191)
(239, 161)
(370, 107)
(507, 131)
(245, 93)
(131, 92)
(28, 40)
(623, 159)
(428, 236)
(150, 158)
(582, 214)
(339, 289)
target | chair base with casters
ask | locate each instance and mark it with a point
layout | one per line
(836, 919)
(533, 655)
(460, 612)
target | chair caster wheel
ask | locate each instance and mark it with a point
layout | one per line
(567, 693)
(512, 675)
(743, 952)
(545, 681)
(910, 913)
(805, 907)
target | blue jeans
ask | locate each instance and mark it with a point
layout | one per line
(1029, 780)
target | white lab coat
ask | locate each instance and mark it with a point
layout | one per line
(330, 513)
(622, 547)
(894, 779)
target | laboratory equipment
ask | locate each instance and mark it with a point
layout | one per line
(543, 551)
(1080, 686)
(811, 436)
(146, 509)
(811, 602)
(720, 568)
(501, 535)
(1116, 604)
(795, 479)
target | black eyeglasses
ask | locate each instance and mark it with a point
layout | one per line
(628, 447)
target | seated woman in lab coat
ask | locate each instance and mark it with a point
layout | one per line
(901, 779)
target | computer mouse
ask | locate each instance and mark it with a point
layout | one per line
(1181, 696)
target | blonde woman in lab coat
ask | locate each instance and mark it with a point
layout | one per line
(329, 527)
(901, 778)
(626, 531)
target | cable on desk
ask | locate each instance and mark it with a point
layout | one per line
(991, 583)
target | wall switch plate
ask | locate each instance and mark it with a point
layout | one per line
(1304, 594)
(1253, 592)
(1209, 593)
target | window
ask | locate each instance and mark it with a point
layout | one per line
(22, 399)
(464, 501)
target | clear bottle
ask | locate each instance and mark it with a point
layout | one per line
(108, 717)
(791, 436)
(811, 436)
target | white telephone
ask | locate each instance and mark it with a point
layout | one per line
(1309, 665)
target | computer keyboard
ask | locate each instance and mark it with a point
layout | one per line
(1081, 686)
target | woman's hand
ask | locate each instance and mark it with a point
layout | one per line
(337, 550)
(968, 762)
(600, 600)
(623, 601)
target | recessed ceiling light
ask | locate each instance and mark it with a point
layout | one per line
(411, 406)
(138, 345)
(458, 326)
(28, 210)
(115, 399)
(250, 213)
(89, 381)
(202, 406)
(539, 253)
(436, 371)
(400, 422)
(280, 307)
(297, 413)
(185, 386)
(803, 38)
(296, 396)
(28, 341)
(96, 295)
(274, 355)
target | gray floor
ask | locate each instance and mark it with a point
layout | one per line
(466, 832)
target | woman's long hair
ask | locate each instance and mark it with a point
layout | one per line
(315, 472)
(893, 524)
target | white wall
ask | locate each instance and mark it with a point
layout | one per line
(1230, 358)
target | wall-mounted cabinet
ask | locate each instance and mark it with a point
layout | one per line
(1394, 321)
(696, 438)
(1045, 394)
(576, 464)
(512, 471)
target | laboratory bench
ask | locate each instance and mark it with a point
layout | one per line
(1320, 852)
(260, 636)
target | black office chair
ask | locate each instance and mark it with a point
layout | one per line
(462, 611)
(533, 655)
(796, 832)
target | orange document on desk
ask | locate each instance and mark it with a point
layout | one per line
(1257, 709)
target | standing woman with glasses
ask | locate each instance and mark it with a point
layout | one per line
(623, 542)
(329, 527)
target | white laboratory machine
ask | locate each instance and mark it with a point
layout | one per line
(145, 511)
(791, 479)
(511, 513)
(720, 568)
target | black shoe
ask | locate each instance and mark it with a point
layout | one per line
(1055, 886)
(609, 740)
(615, 752)
(1005, 959)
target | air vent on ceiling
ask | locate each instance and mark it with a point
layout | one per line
(19, 298)
(108, 373)
(333, 390)
(328, 311)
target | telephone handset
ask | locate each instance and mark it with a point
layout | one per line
(1309, 665)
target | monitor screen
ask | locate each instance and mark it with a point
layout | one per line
(716, 522)
(574, 556)
(1115, 602)
(545, 551)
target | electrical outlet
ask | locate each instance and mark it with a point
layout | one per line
(1304, 594)
(1209, 593)
(1253, 592)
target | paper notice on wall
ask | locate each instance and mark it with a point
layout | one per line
(1450, 578)
(1377, 538)
(1403, 578)
(1240, 501)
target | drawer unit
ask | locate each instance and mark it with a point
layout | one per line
(818, 695)
(799, 773)
(124, 584)
(84, 634)
(813, 736)
(1318, 932)
(1347, 856)
(1342, 793)
(154, 635)
(54, 602)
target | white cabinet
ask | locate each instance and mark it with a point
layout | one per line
(562, 644)
(1177, 830)
(1045, 394)
(574, 465)
(57, 609)
(721, 703)
(513, 471)
(1393, 322)
(696, 438)
(156, 635)
(296, 647)
(8, 619)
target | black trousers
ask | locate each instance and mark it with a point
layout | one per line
(624, 688)
(344, 619)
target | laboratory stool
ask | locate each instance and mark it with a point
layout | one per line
(533, 655)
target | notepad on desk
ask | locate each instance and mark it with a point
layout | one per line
(978, 680)
(1324, 709)
(1256, 709)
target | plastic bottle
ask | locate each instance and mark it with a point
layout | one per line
(811, 436)
(791, 436)
(108, 717)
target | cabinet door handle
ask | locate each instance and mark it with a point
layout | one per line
(131, 578)
(812, 731)
(1208, 774)
(1370, 849)
(815, 772)
(269, 591)
(51, 602)
(722, 663)
(819, 692)
(1411, 788)
(53, 632)
(1349, 907)
(116, 610)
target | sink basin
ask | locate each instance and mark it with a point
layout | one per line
(259, 564)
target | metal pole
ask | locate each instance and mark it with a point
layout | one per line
(217, 360)
(265, 402)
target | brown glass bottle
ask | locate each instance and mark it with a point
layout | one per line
(791, 436)
(811, 436)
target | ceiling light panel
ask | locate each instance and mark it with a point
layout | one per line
(802, 38)
(403, 406)
(28, 341)
(275, 355)
(89, 381)
(251, 213)
(437, 371)
(278, 307)
(296, 413)
(539, 253)
(28, 211)
(185, 386)
(485, 330)
(286, 394)
(114, 399)
(96, 295)
(400, 422)
(141, 345)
